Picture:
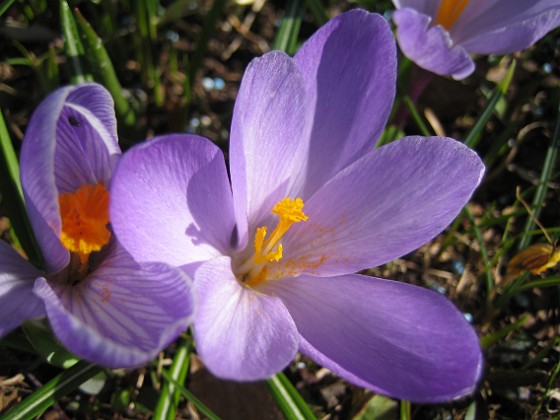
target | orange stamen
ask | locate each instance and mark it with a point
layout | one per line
(85, 216)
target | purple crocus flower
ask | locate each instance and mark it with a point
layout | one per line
(441, 35)
(101, 304)
(313, 202)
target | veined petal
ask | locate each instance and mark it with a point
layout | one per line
(240, 334)
(349, 68)
(507, 26)
(86, 140)
(70, 141)
(121, 315)
(17, 301)
(396, 339)
(431, 47)
(171, 201)
(385, 205)
(266, 148)
(427, 7)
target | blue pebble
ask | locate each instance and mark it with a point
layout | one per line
(219, 83)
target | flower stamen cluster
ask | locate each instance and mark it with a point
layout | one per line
(289, 211)
(85, 216)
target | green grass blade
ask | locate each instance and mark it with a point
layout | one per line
(547, 282)
(472, 138)
(405, 410)
(101, 65)
(483, 251)
(169, 397)
(207, 31)
(146, 39)
(72, 45)
(318, 11)
(12, 196)
(546, 175)
(416, 116)
(52, 391)
(288, 398)
(190, 396)
(493, 338)
(5, 6)
(287, 36)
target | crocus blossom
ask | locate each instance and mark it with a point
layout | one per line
(101, 304)
(441, 35)
(313, 202)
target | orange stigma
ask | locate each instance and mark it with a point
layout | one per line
(85, 216)
(449, 11)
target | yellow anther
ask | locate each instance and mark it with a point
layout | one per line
(254, 270)
(289, 209)
(85, 216)
(449, 11)
(271, 256)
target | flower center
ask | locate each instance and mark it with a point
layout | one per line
(449, 11)
(85, 216)
(269, 250)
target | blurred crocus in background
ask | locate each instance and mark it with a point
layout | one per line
(313, 203)
(441, 35)
(101, 304)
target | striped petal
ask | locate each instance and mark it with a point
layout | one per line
(266, 151)
(349, 67)
(396, 339)
(17, 301)
(122, 314)
(171, 201)
(240, 334)
(70, 141)
(431, 47)
(385, 205)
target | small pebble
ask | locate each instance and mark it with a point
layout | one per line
(208, 83)
(438, 288)
(194, 123)
(172, 36)
(219, 83)
(457, 267)
(205, 121)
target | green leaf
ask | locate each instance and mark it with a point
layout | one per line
(405, 410)
(52, 391)
(416, 116)
(5, 6)
(73, 46)
(490, 339)
(169, 397)
(288, 398)
(45, 343)
(207, 31)
(12, 196)
(483, 251)
(473, 136)
(378, 407)
(548, 282)
(318, 11)
(101, 65)
(190, 396)
(287, 36)
(546, 175)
